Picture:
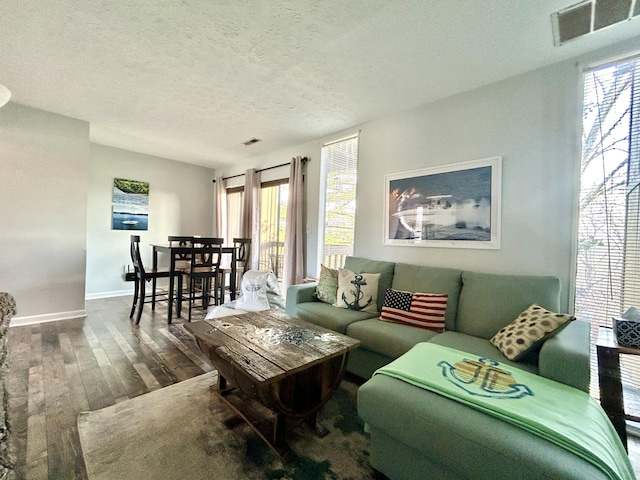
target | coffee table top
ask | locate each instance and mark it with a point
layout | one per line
(270, 345)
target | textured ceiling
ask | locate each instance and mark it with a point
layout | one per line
(192, 80)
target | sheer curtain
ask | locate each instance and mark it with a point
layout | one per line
(251, 214)
(293, 271)
(221, 208)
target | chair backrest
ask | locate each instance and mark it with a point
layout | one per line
(180, 241)
(135, 254)
(206, 252)
(276, 257)
(243, 252)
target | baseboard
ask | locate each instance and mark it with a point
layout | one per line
(47, 317)
(116, 293)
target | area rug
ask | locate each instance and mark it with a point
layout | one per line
(180, 432)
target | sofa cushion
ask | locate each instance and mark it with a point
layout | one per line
(527, 332)
(328, 316)
(327, 288)
(389, 339)
(357, 291)
(489, 302)
(385, 269)
(422, 310)
(414, 278)
(480, 347)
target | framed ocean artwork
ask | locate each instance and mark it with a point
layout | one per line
(455, 206)
(130, 205)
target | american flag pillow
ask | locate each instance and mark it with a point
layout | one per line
(423, 310)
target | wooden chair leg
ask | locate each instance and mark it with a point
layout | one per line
(217, 292)
(190, 298)
(153, 293)
(222, 283)
(136, 291)
(179, 298)
(141, 301)
(206, 289)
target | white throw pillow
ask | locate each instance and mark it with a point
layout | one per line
(357, 291)
(253, 291)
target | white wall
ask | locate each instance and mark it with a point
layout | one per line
(532, 121)
(43, 216)
(180, 203)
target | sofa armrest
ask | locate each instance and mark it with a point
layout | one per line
(304, 292)
(565, 357)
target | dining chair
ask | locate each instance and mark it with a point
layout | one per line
(275, 257)
(203, 267)
(181, 241)
(143, 276)
(243, 254)
(181, 259)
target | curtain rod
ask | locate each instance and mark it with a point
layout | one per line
(304, 160)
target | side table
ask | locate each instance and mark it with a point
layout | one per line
(610, 381)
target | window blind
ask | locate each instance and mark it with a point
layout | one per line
(608, 254)
(339, 177)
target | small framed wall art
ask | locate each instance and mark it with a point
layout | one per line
(455, 206)
(130, 205)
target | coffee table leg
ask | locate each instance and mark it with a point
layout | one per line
(279, 444)
(319, 429)
(279, 430)
(271, 430)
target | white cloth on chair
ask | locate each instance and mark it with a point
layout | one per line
(259, 290)
(253, 291)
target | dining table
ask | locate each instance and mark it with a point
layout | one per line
(179, 252)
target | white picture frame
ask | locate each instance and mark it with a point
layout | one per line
(446, 206)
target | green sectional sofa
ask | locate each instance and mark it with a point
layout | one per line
(479, 304)
(419, 434)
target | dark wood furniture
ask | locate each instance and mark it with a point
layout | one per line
(175, 252)
(143, 275)
(243, 255)
(202, 268)
(182, 259)
(274, 360)
(610, 381)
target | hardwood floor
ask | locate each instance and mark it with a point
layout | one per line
(59, 369)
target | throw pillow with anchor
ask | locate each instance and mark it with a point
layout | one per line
(357, 291)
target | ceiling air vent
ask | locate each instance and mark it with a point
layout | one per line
(589, 16)
(251, 142)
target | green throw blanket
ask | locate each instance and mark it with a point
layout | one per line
(559, 413)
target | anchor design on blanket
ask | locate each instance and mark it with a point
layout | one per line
(484, 377)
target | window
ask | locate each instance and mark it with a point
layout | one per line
(608, 254)
(338, 200)
(234, 213)
(273, 220)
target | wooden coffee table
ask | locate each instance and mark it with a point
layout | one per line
(290, 366)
